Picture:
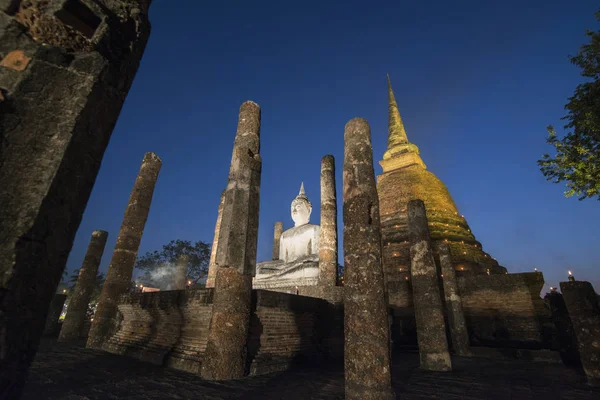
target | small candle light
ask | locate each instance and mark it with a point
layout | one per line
(571, 277)
(64, 290)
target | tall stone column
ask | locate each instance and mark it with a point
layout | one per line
(78, 304)
(277, 239)
(57, 113)
(212, 264)
(584, 312)
(366, 350)
(225, 355)
(456, 317)
(328, 243)
(120, 270)
(429, 314)
(181, 264)
(56, 308)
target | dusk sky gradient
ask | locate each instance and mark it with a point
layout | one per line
(476, 82)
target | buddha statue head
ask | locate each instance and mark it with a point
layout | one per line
(301, 208)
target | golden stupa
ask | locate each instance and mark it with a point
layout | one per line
(405, 177)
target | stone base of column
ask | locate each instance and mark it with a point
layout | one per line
(435, 361)
(225, 355)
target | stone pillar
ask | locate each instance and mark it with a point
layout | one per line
(277, 239)
(584, 312)
(57, 113)
(78, 303)
(120, 270)
(366, 350)
(456, 317)
(429, 314)
(225, 355)
(328, 244)
(181, 265)
(212, 264)
(56, 307)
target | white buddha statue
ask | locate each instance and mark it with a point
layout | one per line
(298, 262)
(302, 240)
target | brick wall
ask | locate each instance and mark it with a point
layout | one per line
(287, 329)
(504, 309)
(171, 328)
(500, 310)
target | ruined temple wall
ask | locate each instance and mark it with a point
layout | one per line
(499, 309)
(171, 328)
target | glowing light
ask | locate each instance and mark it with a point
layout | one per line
(442, 275)
(570, 273)
(406, 277)
(535, 269)
(92, 319)
(64, 290)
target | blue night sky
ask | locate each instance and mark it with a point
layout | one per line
(477, 82)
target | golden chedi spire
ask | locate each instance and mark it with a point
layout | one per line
(405, 178)
(400, 152)
(397, 133)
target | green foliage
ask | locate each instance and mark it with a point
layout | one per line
(577, 159)
(198, 258)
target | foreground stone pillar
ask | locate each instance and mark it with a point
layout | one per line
(181, 265)
(456, 317)
(120, 270)
(584, 312)
(277, 239)
(225, 355)
(80, 299)
(429, 314)
(328, 244)
(57, 112)
(212, 264)
(366, 350)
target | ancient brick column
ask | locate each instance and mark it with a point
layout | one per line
(120, 270)
(277, 239)
(366, 351)
(328, 243)
(66, 72)
(54, 311)
(429, 314)
(78, 304)
(212, 264)
(225, 355)
(456, 317)
(584, 312)
(180, 281)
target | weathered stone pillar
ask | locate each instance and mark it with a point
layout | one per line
(78, 303)
(584, 312)
(328, 243)
(277, 239)
(180, 281)
(225, 355)
(56, 307)
(57, 112)
(429, 315)
(120, 270)
(366, 350)
(456, 318)
(212, 264)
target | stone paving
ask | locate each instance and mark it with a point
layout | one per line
(71, 372)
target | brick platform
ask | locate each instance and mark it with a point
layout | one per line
(70, 372)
